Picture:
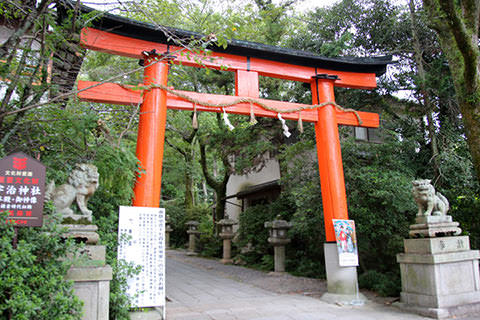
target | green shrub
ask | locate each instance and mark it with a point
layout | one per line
(179, 216)
(385, 284)
(209, 244)
(267, 263)
(32, 284)
(252, 233)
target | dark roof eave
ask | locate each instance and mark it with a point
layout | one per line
(149, 32)
(275, 184)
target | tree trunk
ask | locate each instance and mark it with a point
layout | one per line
(189, 198)
(457, 27)
(219, 186)
(425, 95)
(68, 55)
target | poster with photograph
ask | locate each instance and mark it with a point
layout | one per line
(346, 242)
(141, 241)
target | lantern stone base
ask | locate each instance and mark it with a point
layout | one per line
(227, 248)
(342, 285)
(440, 277)
(226, 261)
(279, 258)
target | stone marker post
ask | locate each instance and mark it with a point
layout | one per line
(227, 235)
(168, 229)
(90, 275)
(278, 239)
(192, 236)
(440, 274)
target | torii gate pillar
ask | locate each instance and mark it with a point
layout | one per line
(341, 281)
(151, 132)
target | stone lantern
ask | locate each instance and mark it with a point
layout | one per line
(227, 235)
(278, 239)
(168, 229)
(192, 236)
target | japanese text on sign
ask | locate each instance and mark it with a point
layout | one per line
(141, 241)
(22, 188)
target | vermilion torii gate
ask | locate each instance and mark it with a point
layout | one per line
(120, 36)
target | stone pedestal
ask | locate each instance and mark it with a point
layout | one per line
(440, 276)
(434, 226)
(168, 229)
(82, 233)
(342, 282)
(227, 236)
(278, 239)
(92, 286)
(192, 236)
(90, 274)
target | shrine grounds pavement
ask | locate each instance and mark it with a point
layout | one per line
(200, 289)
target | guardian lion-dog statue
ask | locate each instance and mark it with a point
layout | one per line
(82, 184)
(430, 203)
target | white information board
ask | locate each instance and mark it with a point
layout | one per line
(141, 233)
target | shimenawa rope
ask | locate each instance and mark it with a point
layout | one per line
(242, 100)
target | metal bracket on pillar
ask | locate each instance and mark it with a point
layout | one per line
(326, 76)
(166, 56)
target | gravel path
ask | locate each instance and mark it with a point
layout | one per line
(284, 283)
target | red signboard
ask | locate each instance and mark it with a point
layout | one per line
(22, 189)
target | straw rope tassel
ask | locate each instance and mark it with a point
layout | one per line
(253, 121)
(194, 119)
(300, 122)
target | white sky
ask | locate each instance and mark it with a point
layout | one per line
(302, 6)
(310, 4)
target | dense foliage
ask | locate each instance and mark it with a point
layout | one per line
(422, 136)
(32, 283)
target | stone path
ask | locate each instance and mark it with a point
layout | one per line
(200, 289)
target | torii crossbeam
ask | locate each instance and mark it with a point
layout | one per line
(129, 38)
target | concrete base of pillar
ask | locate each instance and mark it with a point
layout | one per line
(342, 285)
(344, 299)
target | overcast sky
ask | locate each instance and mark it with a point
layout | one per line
(301, 6)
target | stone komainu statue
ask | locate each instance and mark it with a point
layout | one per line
(429, 202)
(82, 184)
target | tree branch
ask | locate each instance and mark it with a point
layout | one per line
(132, 117)
(183, 153)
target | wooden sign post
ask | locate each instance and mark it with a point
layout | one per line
(22, 190)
